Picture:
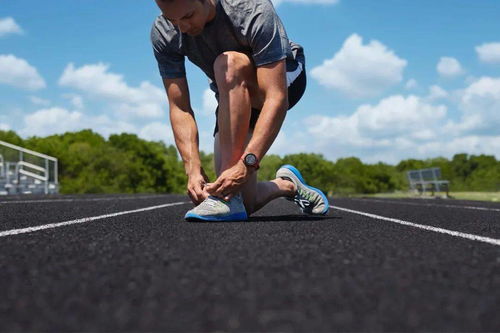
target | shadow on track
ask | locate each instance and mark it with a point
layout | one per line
(290, 218)
(275, 218)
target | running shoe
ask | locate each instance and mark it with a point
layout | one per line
(310, 200)
(215, 209)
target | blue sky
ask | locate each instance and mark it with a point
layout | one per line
(387, 80)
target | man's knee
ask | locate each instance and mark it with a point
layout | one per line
(233, 69)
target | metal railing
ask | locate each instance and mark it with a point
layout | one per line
(2, 167)
(43, 177)
(421, 180)
(28, 165)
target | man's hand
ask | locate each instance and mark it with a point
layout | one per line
(196, 187)
(230, 181)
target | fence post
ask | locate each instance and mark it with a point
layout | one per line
(2, 167)
(438, 188)
(422, 181)
(56, 177)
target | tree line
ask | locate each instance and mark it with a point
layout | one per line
(125, 163)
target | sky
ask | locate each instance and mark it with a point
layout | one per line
(387, 80)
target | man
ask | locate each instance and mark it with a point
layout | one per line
(257, 75)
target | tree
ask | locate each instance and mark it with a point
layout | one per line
(125, 163)
(317, 171)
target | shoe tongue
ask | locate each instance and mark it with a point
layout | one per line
(214, 200)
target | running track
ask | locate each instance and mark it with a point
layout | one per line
(130, 263)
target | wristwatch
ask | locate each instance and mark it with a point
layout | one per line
(251, 160)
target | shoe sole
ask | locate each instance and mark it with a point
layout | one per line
(229, 218)
(297, 174)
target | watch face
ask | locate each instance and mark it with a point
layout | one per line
(250, 159)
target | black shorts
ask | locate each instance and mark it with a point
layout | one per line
(295, 92)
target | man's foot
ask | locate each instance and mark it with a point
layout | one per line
(309, 199)
(215, 209)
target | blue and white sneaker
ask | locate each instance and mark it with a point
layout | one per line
(215, 209)
(310, 200)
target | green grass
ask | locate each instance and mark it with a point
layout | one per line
(479, 196)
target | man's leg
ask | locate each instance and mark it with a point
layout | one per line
(235, 76)
(236, 80)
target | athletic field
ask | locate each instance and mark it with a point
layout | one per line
(131, 263)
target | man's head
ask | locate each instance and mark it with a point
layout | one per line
(189, 15)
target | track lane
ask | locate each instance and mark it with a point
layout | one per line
(152, 271)
(36, 212)
(473, 205)
(477, 222)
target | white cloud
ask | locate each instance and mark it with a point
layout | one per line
(411, 84)
(9, 26)
(293, 139)
(39, 101)
(389, 130)
(207, 111)
(53, 120)
(346, 138)
(397, 115)
(107, 126)
(306, 2)
(466, 124)
(449, 67)
(18, 73)
(393, 117)
(489, 53)
(75, 100)
(436, 92)
(359, 70)
(206, 141)
(146, 100)
(59, 120)
(480, 104)
(473, 144)
(209, 103)
(400, 127)
(157, 131)
(4, 127)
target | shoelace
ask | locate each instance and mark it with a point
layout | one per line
(306, 200)
(210, 202)
(213, 201)
(312, 197)
(304, 194)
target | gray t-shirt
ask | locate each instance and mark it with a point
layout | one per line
(247, 26)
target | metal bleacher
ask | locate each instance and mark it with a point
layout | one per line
(424, 180)
(23, 171)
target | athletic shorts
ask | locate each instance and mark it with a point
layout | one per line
(296, 81)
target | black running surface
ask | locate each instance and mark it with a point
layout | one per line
(149, 270)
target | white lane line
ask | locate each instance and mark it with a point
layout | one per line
(488, 240)
(430, 205)
(84, 220)
(79, 199)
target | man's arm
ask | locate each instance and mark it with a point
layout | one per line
(271, 79)
(186, 135)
